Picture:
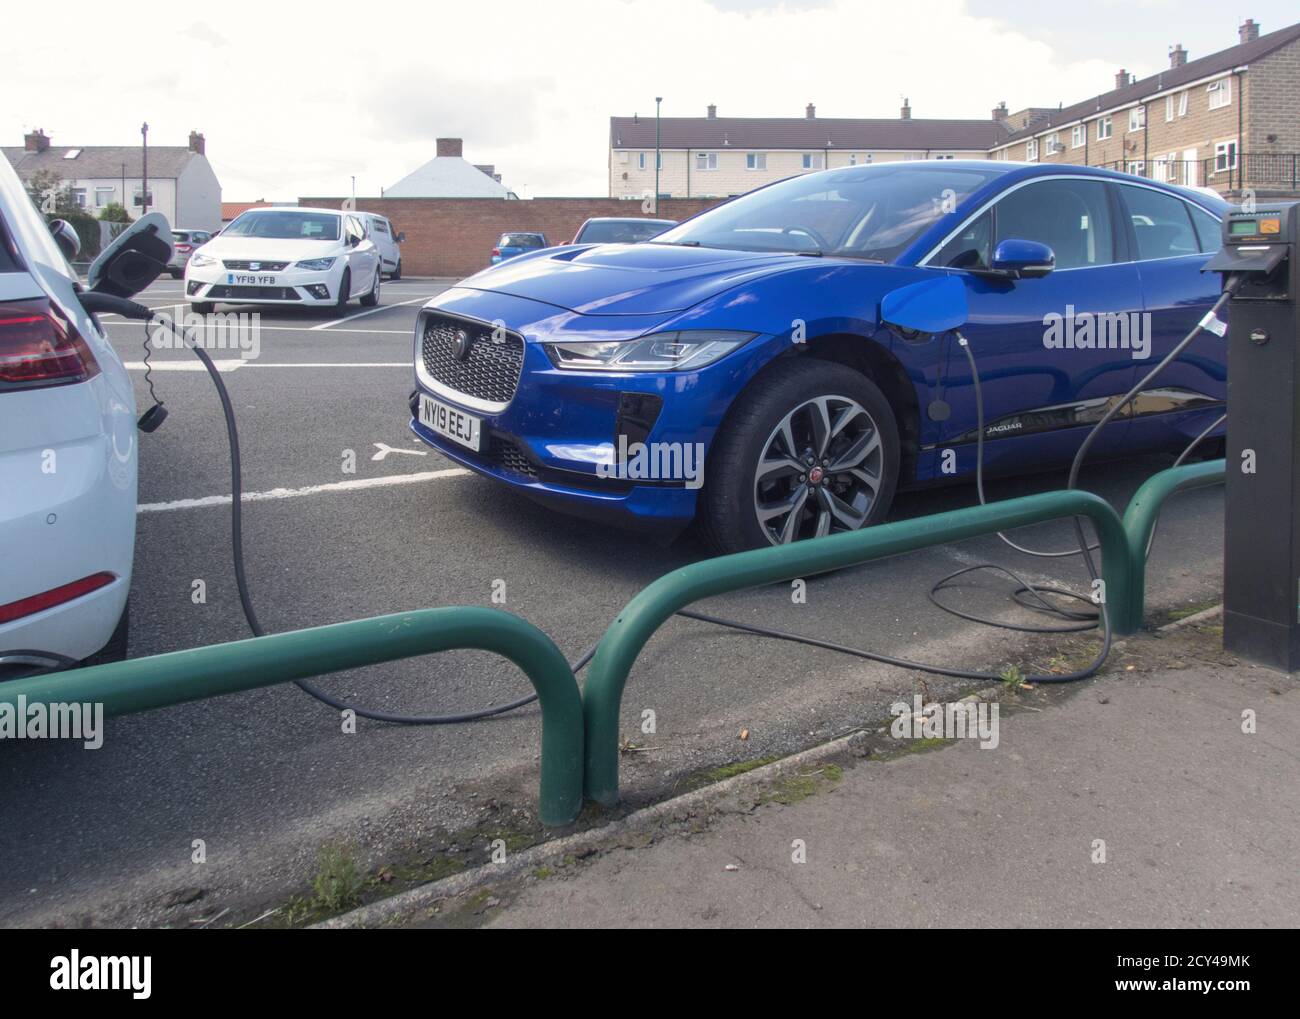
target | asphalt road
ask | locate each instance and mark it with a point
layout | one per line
(265, 778)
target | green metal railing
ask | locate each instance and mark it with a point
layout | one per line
(142, 684)
(644, 614)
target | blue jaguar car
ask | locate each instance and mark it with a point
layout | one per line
(736, 371)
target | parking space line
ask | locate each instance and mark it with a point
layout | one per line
(293, 493)
(368, 311)
(227, 365)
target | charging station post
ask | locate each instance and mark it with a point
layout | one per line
(1261, 549)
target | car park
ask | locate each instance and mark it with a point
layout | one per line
(68, 457)
(184, 244)
(620, 230)
(387, 240)
(298, 256)
(516, 243)
(752, 334)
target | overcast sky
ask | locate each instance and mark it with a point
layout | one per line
(294, 100)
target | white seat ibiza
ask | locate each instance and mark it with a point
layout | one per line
(290, 256)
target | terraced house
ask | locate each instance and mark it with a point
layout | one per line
(1229, 121)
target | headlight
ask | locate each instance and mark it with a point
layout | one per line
(199, 260)
(662, 352)
(315, 264)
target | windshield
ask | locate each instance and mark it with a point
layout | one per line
(626, 231)
(288, 225)
(871, 212)
(520, 241)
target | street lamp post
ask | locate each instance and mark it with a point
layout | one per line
(658, 100)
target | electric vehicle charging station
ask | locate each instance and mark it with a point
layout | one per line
(1261, 549)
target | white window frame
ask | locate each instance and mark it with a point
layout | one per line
(755, 160)
(1105, 128)
(853, 159)
(813, 161)
(640, 160)
(1225, 156)
(1137, 119)
(1220, 93)
(1182, 103)
(706, 161)
(1078, 136)
(1031, 150)
(1169, 108)
(106, 193)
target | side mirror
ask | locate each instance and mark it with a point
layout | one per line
(931, 306)
(66, 237)
(353, 240)
(1022, 260)
(400, 238)
(134, 260)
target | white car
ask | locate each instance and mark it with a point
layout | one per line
(380, 230)
(68, 457)
(292, 256)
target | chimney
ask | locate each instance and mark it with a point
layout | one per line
(906, 112)
(36, 141)
(196, 142)
(713, 112)
(1123, 78)
(449, 147)
(1000, 111)
(1177, 55)
(1249, 31)
(810, 112)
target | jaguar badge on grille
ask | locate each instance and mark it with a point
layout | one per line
(461, 345)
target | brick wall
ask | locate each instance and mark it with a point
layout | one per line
(455, 236)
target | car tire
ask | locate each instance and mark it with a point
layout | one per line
(115, 649)
(202, 307)
(397, 271)
(345, 289)
(372, 298)
(783, 405)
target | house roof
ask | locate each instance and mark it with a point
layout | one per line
(101, 161)
(1170, 78)
(805, 133)
(229, 210)
(447, 177)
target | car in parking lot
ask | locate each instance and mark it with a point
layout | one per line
(185, 243)
(387, 239)
(296, 256)
(516, 243)
(68, 457)
(620, 230)
(750, 339)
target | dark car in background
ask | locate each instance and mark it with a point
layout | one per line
(185, 242)
(517, 243)
(620, 230)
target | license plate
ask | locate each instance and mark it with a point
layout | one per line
(244, 279)
(454, 424)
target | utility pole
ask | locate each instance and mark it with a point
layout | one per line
(144, 169)
(658, 100)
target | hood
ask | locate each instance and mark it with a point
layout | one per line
(627, 279)
(270, 249)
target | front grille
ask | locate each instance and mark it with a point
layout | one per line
(507, 455)
(491, 366)
(253, 293)
(235, 263)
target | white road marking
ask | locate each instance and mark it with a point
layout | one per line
(368, 311)
(293, 493)
(230, 364)
(384, 449)
(294, 329)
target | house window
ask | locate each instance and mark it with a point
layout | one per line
(1169, 108)
(103, 196)
(1031, 149)
(1054, 143)
(853, 159)
(942, 157)
(640, 160)
(1105, 128)
(706, 160)
(1078, 135)
(1182, 104)
(1225, 156)
(1220, 93)
(812, 160)
(756, 161)
(1137, 118)
(1137, 167)
(138, 198)
(79, 196)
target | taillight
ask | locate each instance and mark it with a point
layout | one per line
(496, 251)
(56, 596)
(39, 347)
(182, 247)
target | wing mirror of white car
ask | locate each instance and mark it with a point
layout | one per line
(400, 238)
(135, 259)
(66, 237)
